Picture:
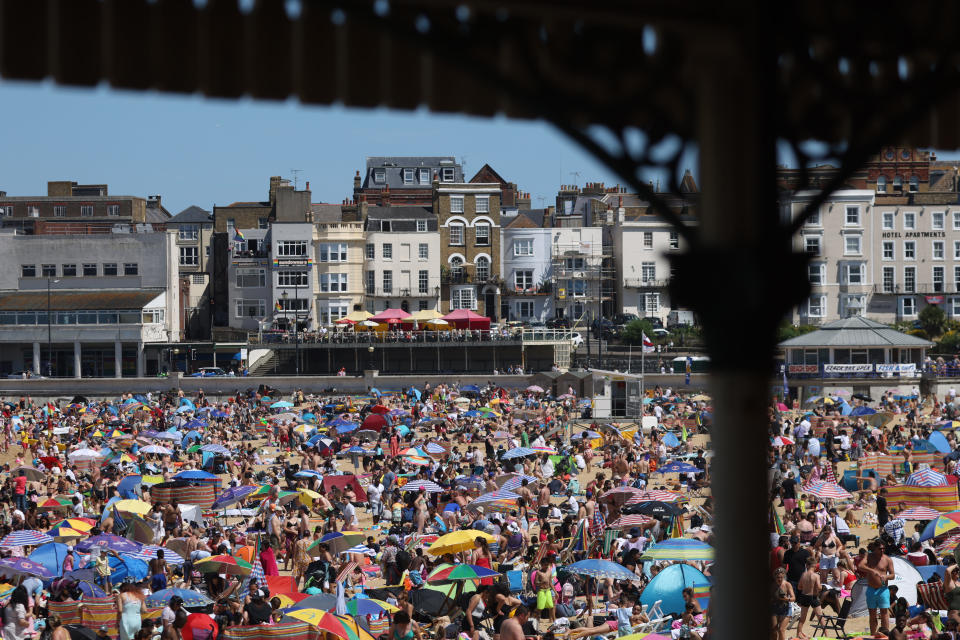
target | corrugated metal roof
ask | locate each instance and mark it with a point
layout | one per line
(855, 331)
(76, 300)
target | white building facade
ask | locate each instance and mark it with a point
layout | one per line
(100, 305)
(525, 254)
(643, 246)
(402, 255)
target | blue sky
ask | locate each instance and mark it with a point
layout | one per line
(193, 150)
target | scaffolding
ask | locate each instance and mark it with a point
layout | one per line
(583, 281)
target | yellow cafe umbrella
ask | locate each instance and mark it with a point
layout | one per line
(307, 496)
(357, 316)
(458, 541)
(425, 315)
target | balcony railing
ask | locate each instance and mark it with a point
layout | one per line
(261, 253)
(463, 277)
(348, 336)
(397, 292)
(918, 288)
(642, 283)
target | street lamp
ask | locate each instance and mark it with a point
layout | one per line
(370, 358)
(49, 332)
(296, 330)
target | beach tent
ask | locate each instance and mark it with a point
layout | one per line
(466, 319)
(329, 482)
(939, 441)
(51, 556)
(668, 585)
(906, 580)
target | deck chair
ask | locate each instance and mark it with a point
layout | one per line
(657, 618)
(835, 624)
(931, 595)
(515, 581)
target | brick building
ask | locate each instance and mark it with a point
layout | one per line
(404, 180)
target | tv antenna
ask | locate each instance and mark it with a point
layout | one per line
(463, 166)
(576, 177)
(542, 200)
(296, 174)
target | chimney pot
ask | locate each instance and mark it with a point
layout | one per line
(308, 185)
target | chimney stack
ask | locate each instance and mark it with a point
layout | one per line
(308, 186)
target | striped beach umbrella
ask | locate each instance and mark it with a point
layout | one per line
(926, 478)
(620, 493)
(461, 572)
(516, 482)
(518, 452)
(918, 513)
(365, 550)
(427, 485)
(602, 569)
(149, 551)
(827, 490)
(949, 545)
(679, 549)
(657, 495)
(630, 520)
(25, 538)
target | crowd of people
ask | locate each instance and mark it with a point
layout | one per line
(348, 496)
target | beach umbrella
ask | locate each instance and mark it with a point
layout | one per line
(782, 441)
(652, 508)
(926, 478)
(308, 473)
(30, 473)
(827, 490)
(655, 495)
(109, 541)
(602, 569)
(918, 513)
(534, 388)
(518, 452)
(83, 453)
(214, 448)
(327, 621)
(516, 482)
(935, 528)
(461, 572)
(679, 549)
(457, 541)
(25, 567)
(231, 496)
(369, 607)
(670, 441)
(149, 552)
(51, 556)
(373, 422)
(469, 388)
(199, 626)
(427, 485)
(157, 449)
(224, 564)
(339, 541)
(66, 534)
(679, 467)
(468, 482)
(630, 520)
(197, 475)
(281, 404)
(25, 538)
(362, 549)
(138, 507)
(433, 447)
(190, 598)
(56, 503)
(168, 435)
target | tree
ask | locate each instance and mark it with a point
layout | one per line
(786, 330)
(950, 342)
(933, 321)
(633, 332)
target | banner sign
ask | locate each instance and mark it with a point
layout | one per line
(934, 299)
(896, 368)
(848, 368)
(803, 368)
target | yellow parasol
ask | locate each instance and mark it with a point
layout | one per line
(138, 507)
(458, 541)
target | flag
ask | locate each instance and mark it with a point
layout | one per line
(689, 366)
(278, 306)
(786, 389)
(238, 235)
(647, 343)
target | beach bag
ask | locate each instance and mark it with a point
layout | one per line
(403, 560)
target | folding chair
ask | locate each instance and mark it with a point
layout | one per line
(836, 624)
(931, 595)
(515, 581)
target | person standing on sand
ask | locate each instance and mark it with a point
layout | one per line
(808, 596)
(878, 570)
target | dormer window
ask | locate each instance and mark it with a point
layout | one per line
(425, 176)
(448, 174)
(881, 184)
(408, 176)
(379, 176)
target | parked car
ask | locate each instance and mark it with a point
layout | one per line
(26, 374)
(624, 318)
(208, 372)
(576, 339)
(655, 322)
(660, 333)
(558, 323)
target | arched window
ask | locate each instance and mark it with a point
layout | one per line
(456, 268)
(483, 268)
(881, 184)
(897, 183)
(914, 184)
